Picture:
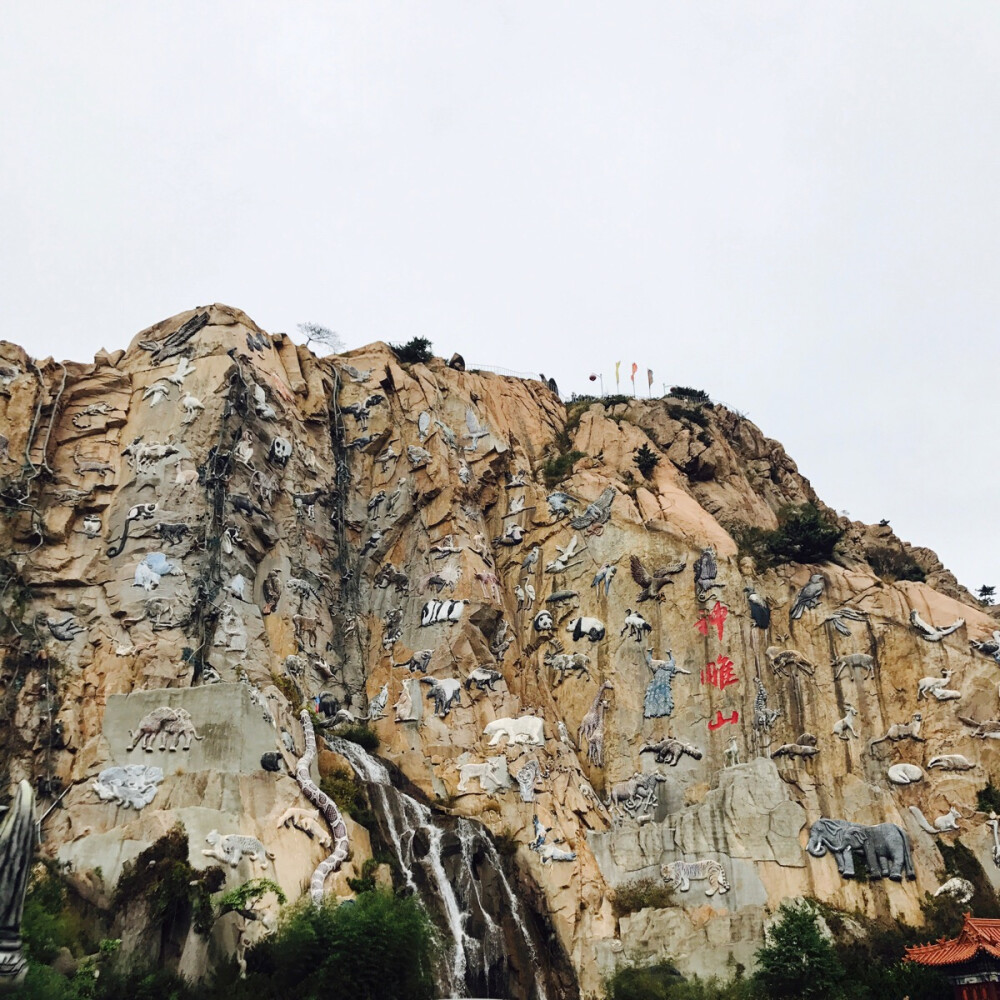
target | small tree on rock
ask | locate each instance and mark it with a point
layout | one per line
(314, 333)
(415, 351)
(987, 595)
(797, 961)
(646, 460)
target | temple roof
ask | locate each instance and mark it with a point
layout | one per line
(978, 935)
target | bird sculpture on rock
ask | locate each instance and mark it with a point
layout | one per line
(652, 583)
(808, 597)
(605, 575)
(597, 513)
(989, 647)
(530, 561)
(156, 393)
(65, 631)
(476, 430)
(760, 613)
(930, 632)
(559, 504)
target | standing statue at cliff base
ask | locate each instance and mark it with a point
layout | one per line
(18, 836)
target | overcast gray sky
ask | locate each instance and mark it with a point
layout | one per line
(791, 205)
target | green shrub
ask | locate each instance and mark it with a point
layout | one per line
(173, 889)
(796, 961)
(894, 564)
(360, 733)
(349, 794)
(646, 460)
(803, 535)
(367, 881)
(988, 798)
(415, 351)
(378, 947)
(693, 414)
(652, 982)
(685, 392)
(634, 896)
(555, 470)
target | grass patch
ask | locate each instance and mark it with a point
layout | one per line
(359, 733)
(555, 470)
(640, 895)
(893, 564)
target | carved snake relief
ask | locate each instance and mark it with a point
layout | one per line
(327, 807)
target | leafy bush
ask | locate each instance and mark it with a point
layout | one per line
(988, 798)
(803, 535)
(635, 896)
(362, 734)
(893, 564)
(555, 470)
(685, 392)
(652, 982)
(47, 923)
(173, 889)
(646, 460)
(348, 793)
(378, 947)
(687, 413)
(366, 883)
(796, 961)
(415, 351)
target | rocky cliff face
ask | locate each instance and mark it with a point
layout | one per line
(213, 529)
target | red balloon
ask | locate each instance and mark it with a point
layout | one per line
(593, 378)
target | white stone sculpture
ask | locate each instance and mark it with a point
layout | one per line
(493, 775)
(526, 779)
(844, 728)
(680, 874)
(192, 406)
(928, 685)
(564, 559)
(524, 729)
(434, 612)
(636, 626)
(951, 762)
(932, 633)
(376, 707)
(948, 823)
(173, 726)
(637, 796)
(852, 662)
(900, 731)
(960, 889)
(132, 786)
(548, 852)
(230, 848)
(732, 753)
(231, 631)
(586, 627)
(308, 822)
(904, 774)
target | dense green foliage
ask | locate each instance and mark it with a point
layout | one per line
(797, 961)
(415, 351)
(804, 535)
(376, 948)
(556, 469)
(646, 460)
(686, 392)
(349, 794)
(359, 733)
(173, 890)
(988, 798)
(634, 896)
(892, 564)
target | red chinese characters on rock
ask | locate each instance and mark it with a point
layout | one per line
(721, 720)
(719, 673)
(716, 617)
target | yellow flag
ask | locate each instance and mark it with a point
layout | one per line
(618, 365)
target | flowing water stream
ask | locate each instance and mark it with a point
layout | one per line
(492, 948)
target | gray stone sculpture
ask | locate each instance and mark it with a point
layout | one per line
(760, 610)
(901, 731)
(18, 837)
(132, 786)
(418, 661)
(886, 847)
(852, 662)
(444, 693)
(948, 823)
(173, 726)
(987, 730)
(565, 664)
(434, 612)
(841, 616)
(652, 583)
(476, 430)
(229, 849)
(785, 662)
(419, 457)
(932, 633)
(680, 874)
(483, 678)
(586, 627)
(808, 597)
(605, 575)
(376, 707)
(990, 646)
(597, 513)
(669, 751)
(636, 797)
(592, 726)
(705, 571)
(805, 747)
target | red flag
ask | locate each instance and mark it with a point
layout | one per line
(635, 368)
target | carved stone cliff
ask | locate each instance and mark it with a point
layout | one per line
(219, 527)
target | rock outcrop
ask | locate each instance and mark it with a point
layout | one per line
(213, 529)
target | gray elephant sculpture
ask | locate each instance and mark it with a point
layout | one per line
(886, 847)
